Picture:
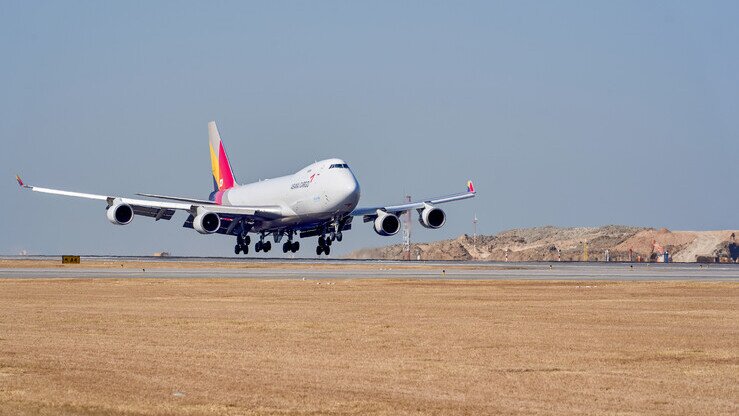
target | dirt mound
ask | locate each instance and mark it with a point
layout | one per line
(619, 243)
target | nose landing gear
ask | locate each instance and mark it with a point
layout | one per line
(324, 244)
(323, 249)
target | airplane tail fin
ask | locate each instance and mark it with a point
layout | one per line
(223, 177)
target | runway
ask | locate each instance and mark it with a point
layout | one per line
(352, 269)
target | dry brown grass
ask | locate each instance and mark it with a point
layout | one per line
(230, 346)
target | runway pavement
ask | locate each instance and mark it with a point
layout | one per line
(350, 269)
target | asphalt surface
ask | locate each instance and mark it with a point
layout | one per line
(392, 269)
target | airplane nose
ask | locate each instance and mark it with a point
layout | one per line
(351, 185)
(351, 188)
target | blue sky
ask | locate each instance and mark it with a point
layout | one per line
(564, 113)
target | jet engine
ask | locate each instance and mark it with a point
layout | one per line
(387, 224)
(120, 213)
(431, 217)
(206, 223)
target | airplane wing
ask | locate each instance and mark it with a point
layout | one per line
(176, 198)
(165, 210)
(397, 209)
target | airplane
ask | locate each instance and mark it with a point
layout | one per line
(319, 200)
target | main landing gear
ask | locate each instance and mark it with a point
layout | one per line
(291, 246)
(262, 245)
(242, 244)
(243, 241)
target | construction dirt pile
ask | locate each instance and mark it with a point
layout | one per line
(618, 243)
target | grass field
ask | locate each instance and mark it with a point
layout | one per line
(233, 346)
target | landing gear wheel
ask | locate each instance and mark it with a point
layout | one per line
(339, 236)
(319, 250)
(295, 246)
(332, 236)
(237, 248)
(258, 246)
(239, 241)
(286, 247)
(267, 246)
(321, 241)
(328, 242)
(245, 249)
(327, 250)
(247, 240)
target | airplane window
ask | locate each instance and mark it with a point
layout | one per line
(339, 166)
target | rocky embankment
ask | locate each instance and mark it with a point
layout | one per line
(569, 244)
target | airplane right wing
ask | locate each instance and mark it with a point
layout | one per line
(387, 223)
(421, 204)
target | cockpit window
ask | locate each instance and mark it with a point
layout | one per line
(339, 166)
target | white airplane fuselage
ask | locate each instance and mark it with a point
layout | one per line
(320, 191)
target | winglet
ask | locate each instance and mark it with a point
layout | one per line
(470, 187)
(20, 182)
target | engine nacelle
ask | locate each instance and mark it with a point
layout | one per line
(120, 213)
(431, 217)
(387, 224)
(206, 223)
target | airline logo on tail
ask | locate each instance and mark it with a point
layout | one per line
(223, 177)
(470, 187)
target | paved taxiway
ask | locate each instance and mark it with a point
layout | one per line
(398, 270)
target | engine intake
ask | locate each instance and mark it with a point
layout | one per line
(206, 223)
(120, 213)
(387, 224)
(431, 217)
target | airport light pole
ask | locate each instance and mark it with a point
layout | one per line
(474, 229)
(407, 232)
